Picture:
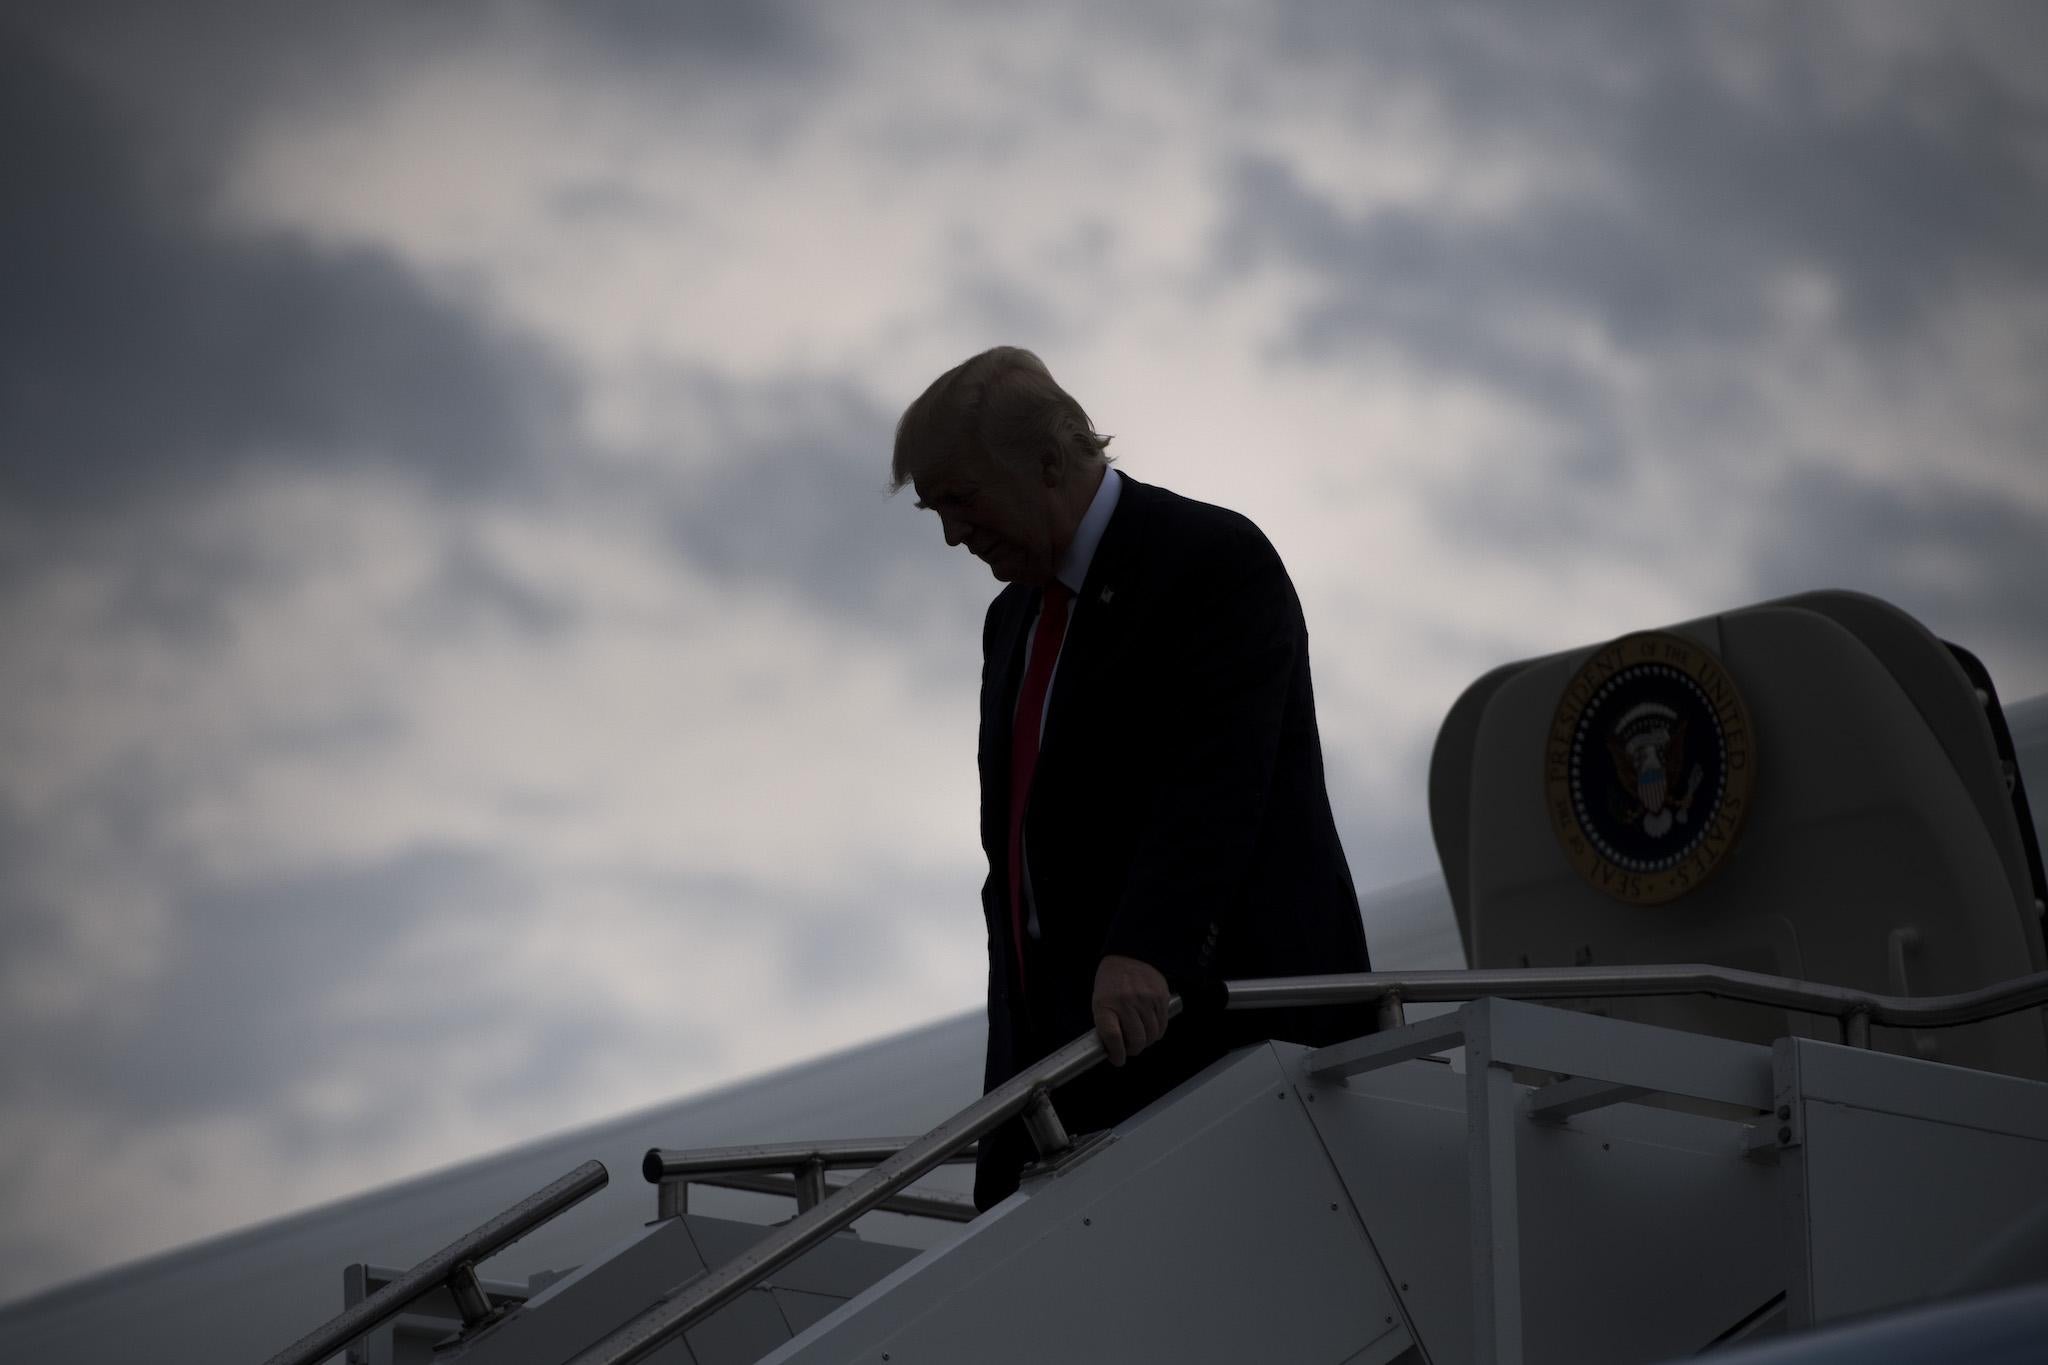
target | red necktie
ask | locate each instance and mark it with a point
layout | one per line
(1024, 728)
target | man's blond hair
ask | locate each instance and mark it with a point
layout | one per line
(1003, 402)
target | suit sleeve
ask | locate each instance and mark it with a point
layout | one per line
(1000, 1059)
(984, 749)
(1234, 641)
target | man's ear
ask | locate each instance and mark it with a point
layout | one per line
(1052, 466)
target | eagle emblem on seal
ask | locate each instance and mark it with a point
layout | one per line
(1649, 766)
(1648, 749)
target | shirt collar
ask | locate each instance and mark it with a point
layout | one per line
(1073, 566)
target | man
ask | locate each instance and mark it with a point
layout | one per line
(1152, 796)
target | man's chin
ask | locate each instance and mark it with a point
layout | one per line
(1008, 569)
(1010, 574)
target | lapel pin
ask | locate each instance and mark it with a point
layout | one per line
(1107, 594)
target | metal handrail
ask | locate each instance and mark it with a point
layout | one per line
(756, 1166)
(453, 1265)
(1695, 978)
(667, 1163)
(949, 1208)
(646, 1333)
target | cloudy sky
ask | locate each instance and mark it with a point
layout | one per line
(461, 675)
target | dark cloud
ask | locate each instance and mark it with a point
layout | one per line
(989, 300)
(32, 920)
(148, 353)
(831, 942)
(1443, 295)
(1968, 562)
(202, 71)
(240, 1003)
(1382, 843)
(253, 989)
(667, 33)
(169, 584)
(798, 498)
(1706, 192)
(602, 200)
(473, 591)
(143, 350)
(149, 356)
(1903, 182)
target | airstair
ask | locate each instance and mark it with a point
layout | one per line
(1575, 1151)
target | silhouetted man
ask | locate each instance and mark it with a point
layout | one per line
(1152, 796)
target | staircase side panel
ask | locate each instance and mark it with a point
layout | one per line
(585, 1306)
(1211, 1228)
(1644, 1232)
(1900, 1172)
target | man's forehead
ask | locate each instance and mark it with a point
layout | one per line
(946, 472)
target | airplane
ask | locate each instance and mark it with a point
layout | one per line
(1881, 846)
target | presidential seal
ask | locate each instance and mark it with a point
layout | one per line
(1648, 767)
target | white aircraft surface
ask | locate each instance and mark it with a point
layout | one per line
(243, 1296)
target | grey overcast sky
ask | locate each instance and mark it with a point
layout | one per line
(463, 677)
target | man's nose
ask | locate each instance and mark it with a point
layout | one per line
(955, 532)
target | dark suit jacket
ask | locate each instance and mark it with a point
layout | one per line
(1178, 814)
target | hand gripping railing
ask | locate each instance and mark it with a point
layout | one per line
(453, 1265)
(1026, 1092)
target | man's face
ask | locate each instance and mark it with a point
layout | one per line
(1001, 514)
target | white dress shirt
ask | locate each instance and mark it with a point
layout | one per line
(1072, 572)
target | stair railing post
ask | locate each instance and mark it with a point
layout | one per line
(468, 1293)
(1042, 1121)
(1390, 1013)
(810, 1185)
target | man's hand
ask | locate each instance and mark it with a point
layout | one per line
(1130, 1006)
